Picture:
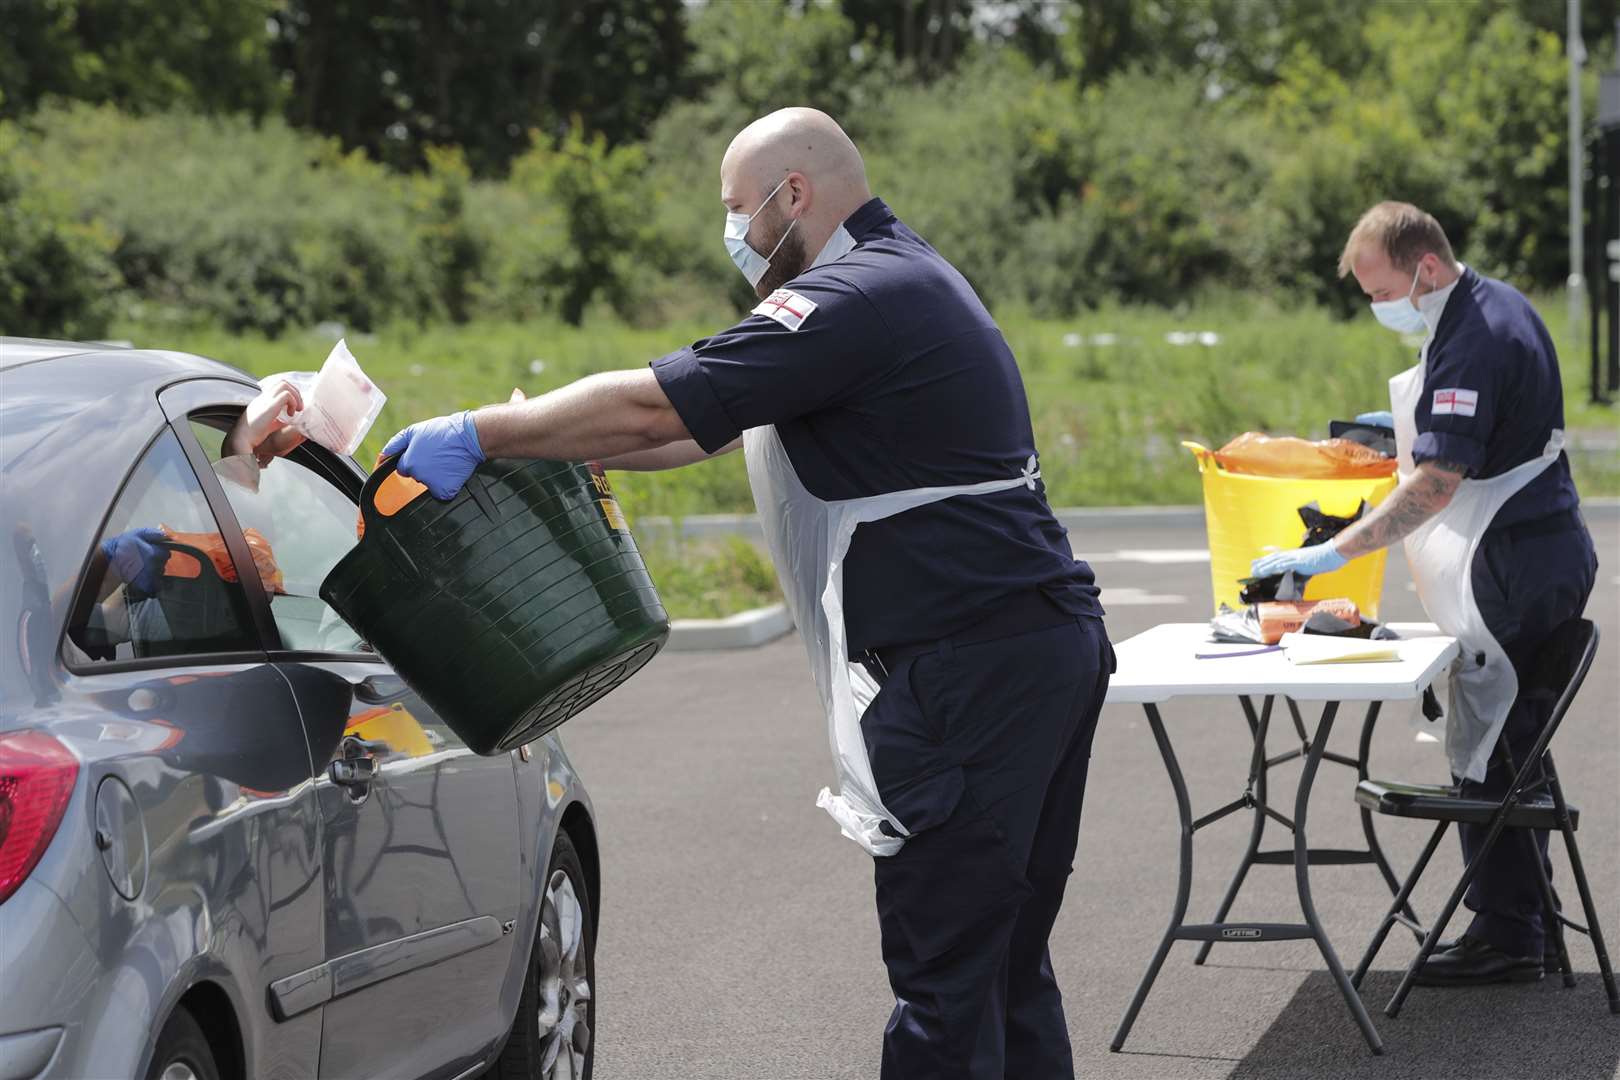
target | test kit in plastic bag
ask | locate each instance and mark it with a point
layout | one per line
(1286, 456)
(340, 401)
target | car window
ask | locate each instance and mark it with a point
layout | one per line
(300, 525)
(160, 582)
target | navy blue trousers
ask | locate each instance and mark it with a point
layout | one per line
(1525, 586)
(981, 751)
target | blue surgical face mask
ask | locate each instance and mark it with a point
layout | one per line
(1399, 315)
(752, 264)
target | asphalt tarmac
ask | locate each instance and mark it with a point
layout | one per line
(739, 939)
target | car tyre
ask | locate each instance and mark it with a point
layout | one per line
(551, 1038)
(182, 1051)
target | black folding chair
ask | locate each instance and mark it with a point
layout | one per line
(1532, 802)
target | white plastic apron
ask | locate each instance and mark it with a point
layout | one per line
(808, 539)
(1441, 555)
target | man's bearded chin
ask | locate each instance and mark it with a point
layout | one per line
(788, 263)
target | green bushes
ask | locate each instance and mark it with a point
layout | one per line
(597, 198)
(253, 227)
(56, 274)
(711, 579)
(1163, 203)
(257, 227)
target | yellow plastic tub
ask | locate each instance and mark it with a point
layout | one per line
(1249, 516)
(394, 725)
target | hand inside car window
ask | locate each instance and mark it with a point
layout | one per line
(160, 581)
(293, 507)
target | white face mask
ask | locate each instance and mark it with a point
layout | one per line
(1432, 304)
(839, 244)
(1399, 315)
(752, 264)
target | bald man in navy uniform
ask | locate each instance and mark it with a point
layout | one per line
(882, 372)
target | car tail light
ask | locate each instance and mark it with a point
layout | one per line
(36, 782)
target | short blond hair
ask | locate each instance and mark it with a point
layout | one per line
(1402, 231)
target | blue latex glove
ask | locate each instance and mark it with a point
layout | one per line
(1306, 562)
(442, 453)
(136, 558)
(1382, 419)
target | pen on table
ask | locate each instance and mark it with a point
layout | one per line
(1243, 652)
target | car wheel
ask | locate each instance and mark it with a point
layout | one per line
(551, 1038)
(182, 1051)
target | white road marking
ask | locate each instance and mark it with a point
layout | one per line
(1153, 556)
(1129, 597)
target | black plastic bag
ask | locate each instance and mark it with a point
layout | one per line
(1372, 436)
(1319, 529)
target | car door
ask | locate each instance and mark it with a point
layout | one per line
(420, 842)
(167, 668)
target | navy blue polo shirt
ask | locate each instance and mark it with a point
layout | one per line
(882, 371)
(1492, 396)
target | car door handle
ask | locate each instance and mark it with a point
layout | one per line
(354, 773)
(356, 768)
(379, 688)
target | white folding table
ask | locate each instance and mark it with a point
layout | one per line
(1164, 663)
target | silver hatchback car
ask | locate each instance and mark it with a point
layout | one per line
(233, 843)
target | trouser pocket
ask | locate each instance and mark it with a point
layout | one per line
(917, 776)
(950, 881)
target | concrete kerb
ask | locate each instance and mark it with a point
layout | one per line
(744, 630)
(760, 625)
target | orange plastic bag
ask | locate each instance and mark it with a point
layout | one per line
(1293, 458)
(1279, 617)
(213, 545)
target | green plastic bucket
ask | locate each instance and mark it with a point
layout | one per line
(509, 608)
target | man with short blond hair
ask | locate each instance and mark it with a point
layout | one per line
(1490, 520)
(1402, 232)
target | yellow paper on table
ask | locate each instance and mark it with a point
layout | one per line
(1322, 649)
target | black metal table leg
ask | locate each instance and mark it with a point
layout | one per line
(1302, 880)
(1257, 788)
(1183, 882)
(1300, 855)
(1255, 796)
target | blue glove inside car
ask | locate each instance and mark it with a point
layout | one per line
(136, 558)
(441, 453)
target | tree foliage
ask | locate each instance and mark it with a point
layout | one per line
(396, 76)
(56, 274)
(204, 55)
(269, 163)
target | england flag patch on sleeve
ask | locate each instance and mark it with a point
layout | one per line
(786, 307)
(1455, 403)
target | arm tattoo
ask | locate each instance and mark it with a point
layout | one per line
(1421, 496)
